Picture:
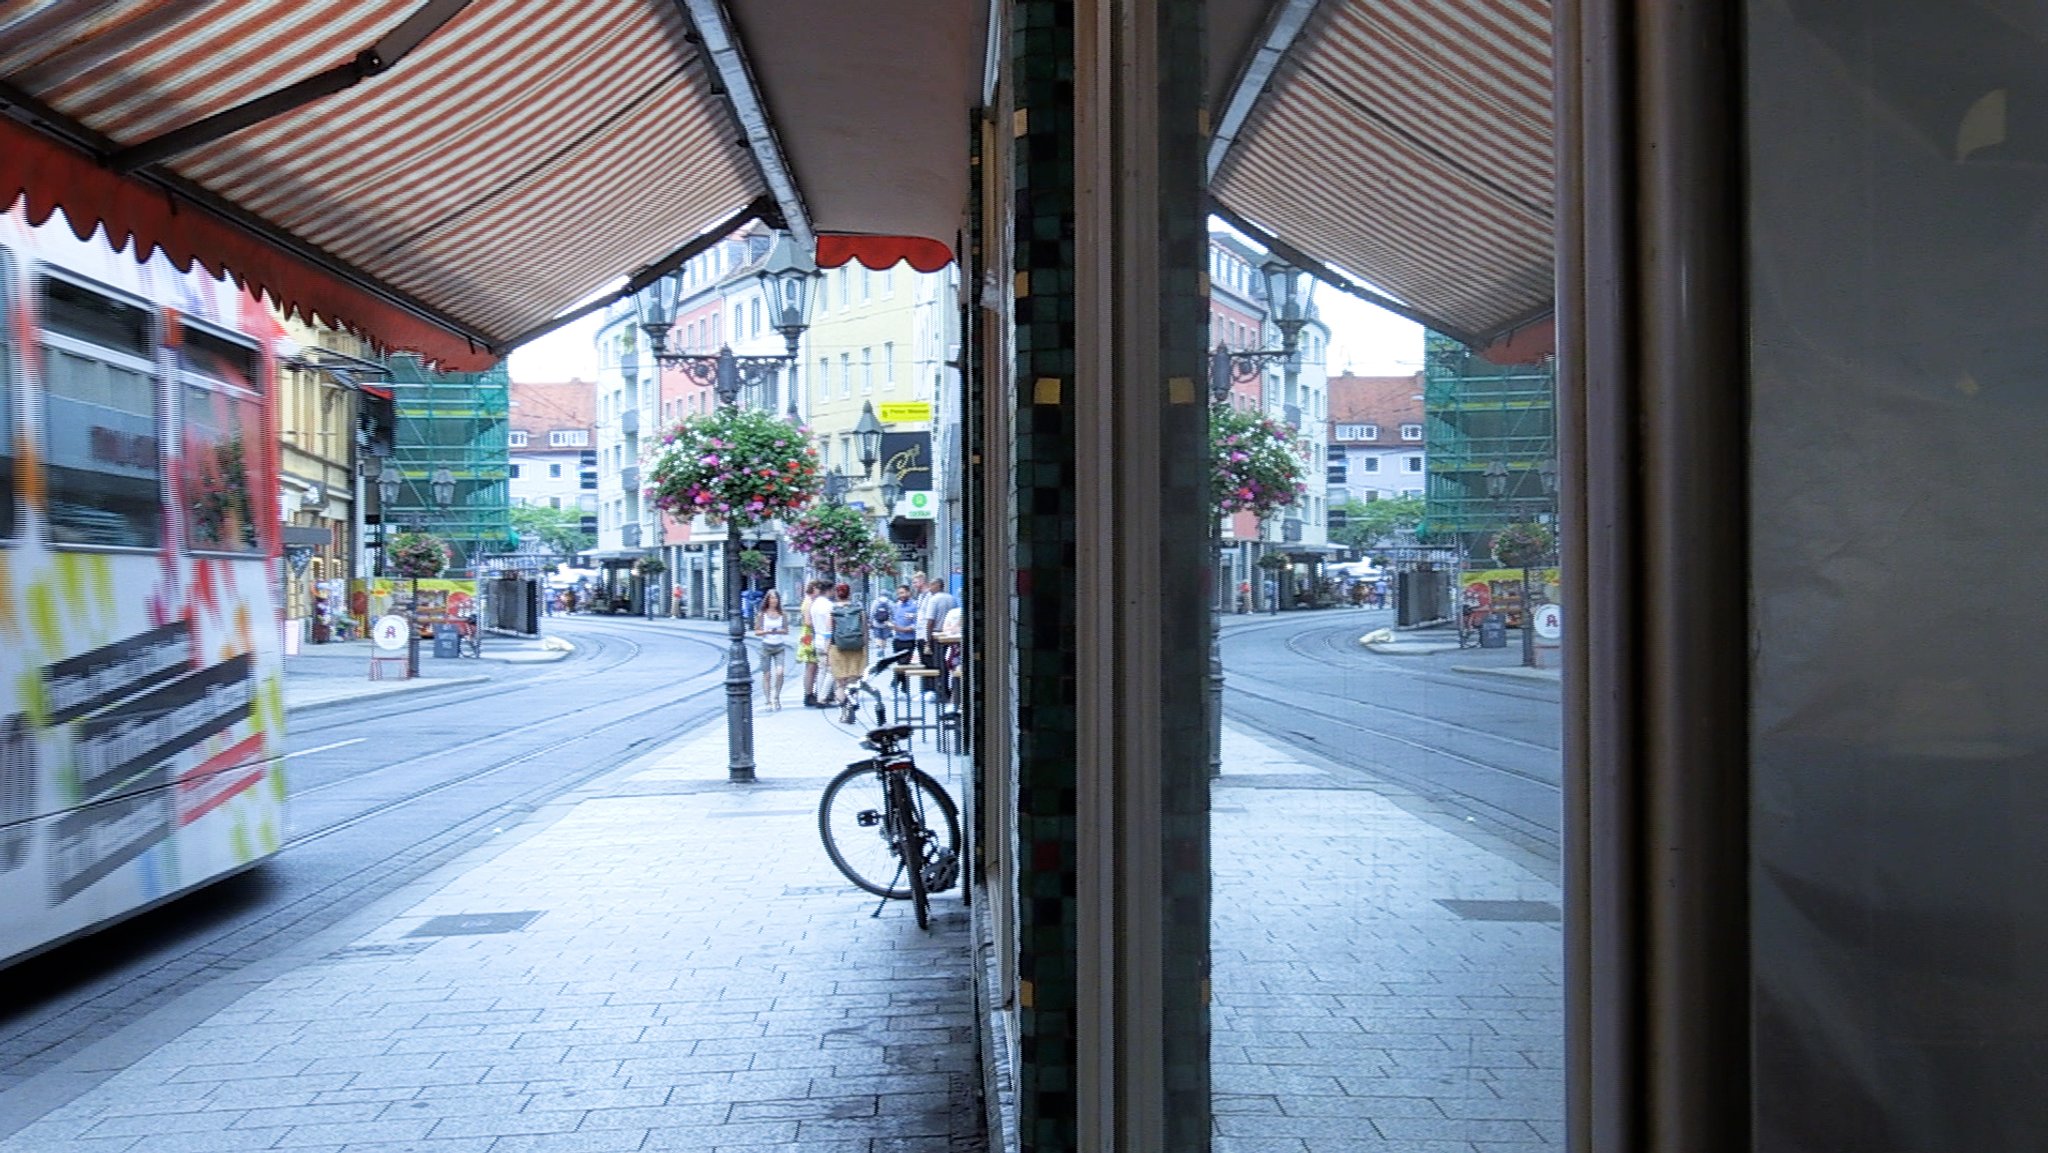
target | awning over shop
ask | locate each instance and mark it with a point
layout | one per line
(448, 176)
(475, 167)
(1406, 143)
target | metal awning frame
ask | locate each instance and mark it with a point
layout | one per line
(379, 57)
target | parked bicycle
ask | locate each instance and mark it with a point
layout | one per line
(887, 824)
(469, 631)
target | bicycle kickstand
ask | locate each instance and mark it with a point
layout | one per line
(884, 902)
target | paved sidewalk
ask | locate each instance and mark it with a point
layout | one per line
(661, 960)
(1387, 979)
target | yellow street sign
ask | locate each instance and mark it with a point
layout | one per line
(904, 411)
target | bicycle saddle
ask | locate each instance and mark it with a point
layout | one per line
(891, 735)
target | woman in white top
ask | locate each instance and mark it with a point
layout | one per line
(771, 624)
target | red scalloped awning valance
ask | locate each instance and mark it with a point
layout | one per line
(879, 252)
(51, 176)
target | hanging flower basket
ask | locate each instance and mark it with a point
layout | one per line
(878, 556)
(418, 555)
(1274, 561)
(1256, 464)
(732, 464)
(1522, 546)
(753, 561)
(649, 566)
(839, 539)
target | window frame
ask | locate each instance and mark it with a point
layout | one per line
(147, 362)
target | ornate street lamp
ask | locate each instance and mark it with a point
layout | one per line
(785, 279)
(390, 482)
(868, 431)
(1287, 293)
(836, 485)
(1219, 392)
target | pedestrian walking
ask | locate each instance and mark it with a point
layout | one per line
(879, 630)
(807, 643)
(818, 622)
(849, 632)
(771, 624)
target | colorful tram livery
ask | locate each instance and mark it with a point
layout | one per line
(141, 683)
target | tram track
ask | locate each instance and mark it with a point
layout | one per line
(1469, 770)
(338, 716)
(60, 1002)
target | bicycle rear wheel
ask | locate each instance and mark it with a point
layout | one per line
(857, 836)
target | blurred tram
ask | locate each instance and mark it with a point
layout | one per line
(141, 679)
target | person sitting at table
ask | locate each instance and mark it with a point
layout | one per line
(946, 643)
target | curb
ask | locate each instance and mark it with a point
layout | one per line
(1407, 648)
(401, 689)
(1513, 672)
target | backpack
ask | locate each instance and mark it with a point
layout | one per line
(848, 632)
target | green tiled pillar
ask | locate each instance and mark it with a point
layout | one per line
(1185, 559)
(1042, 181)
(1110, 540)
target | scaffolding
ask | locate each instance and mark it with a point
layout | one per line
(1492, 437)
(456, 421)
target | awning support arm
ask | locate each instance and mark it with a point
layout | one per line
(1338, 280)
(732, 77)
(761, 209)
(389, 49)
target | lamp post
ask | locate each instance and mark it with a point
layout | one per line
(1547, 471)
(441, 487)
(785, 280)
(868, 431)
(1287, 293)
(892, 491)
(1496, 496)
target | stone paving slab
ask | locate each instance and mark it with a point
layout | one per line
(696, 976)
(1353, 1011)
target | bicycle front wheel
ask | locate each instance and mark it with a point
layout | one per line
(858, 837)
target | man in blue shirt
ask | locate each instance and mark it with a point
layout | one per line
(903, 622)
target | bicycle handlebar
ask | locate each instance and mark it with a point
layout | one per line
(861, 684)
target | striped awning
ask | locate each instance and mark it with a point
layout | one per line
(1407, 143)
(524, 154)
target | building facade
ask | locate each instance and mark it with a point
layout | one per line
(1292, 391)
(1377, 439)
(319, 404)
(551, 448)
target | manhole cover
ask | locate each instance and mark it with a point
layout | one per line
(387, 949)
(1540, 911)
(474, 924)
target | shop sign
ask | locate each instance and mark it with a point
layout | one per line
(904, 411)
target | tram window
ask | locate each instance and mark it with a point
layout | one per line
(77, 311)
(7, 363)
(105, 481)
(220, 382)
